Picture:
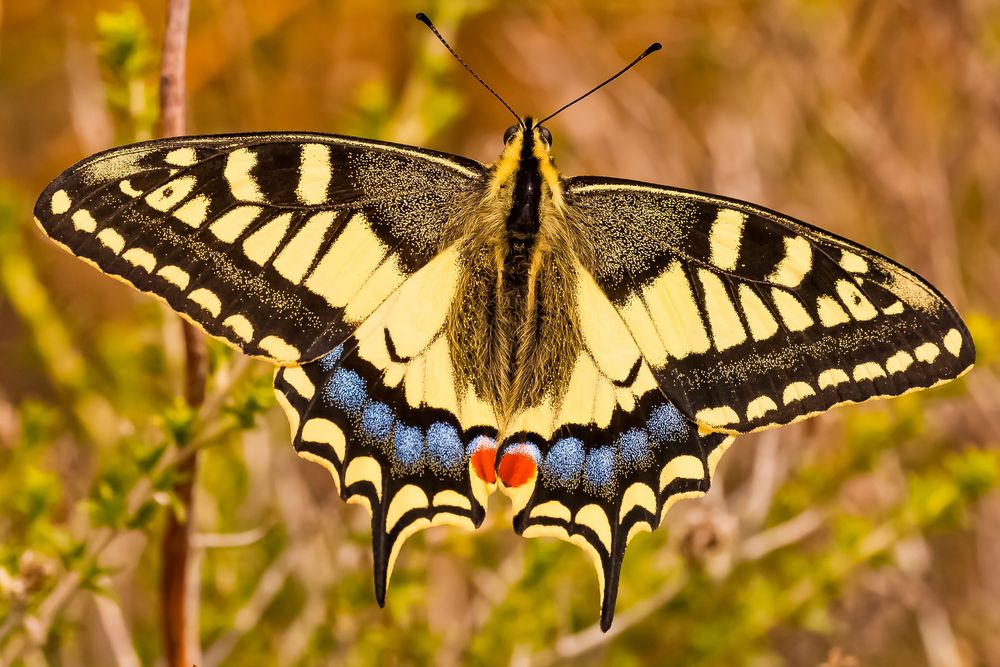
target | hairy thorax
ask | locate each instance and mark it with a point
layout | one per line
(512, 327)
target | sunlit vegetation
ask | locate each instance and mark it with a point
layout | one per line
(870, 535)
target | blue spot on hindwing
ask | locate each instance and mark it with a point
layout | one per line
(564, 461)
(376, 421)
(346, 389)
(666, 424)
(633, 446)
(600, 469)
(444, 445)
(328, 361)
(408, 442)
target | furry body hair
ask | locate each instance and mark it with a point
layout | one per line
(512, 329)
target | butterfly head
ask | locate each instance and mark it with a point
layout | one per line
(528, 126)
(527, 148)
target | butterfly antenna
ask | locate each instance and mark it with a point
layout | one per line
(652, 48)
(427, 22)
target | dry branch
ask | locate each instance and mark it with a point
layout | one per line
(175, 547)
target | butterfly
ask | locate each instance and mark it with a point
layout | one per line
(443, 329)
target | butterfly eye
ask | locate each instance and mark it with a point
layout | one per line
(546, 135)
(509, 133)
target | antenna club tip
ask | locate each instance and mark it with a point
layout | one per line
(653, 48)
(423, 18)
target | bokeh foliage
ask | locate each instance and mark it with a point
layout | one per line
(870, 535)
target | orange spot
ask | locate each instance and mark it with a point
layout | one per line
(516, 469)
(482, 462)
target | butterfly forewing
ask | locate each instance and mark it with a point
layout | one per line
(750, 319)
(281, 244)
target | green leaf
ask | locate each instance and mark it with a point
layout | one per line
(179, 422)
(144, 515)
(975, 472)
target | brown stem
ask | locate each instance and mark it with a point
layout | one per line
(173, 573)
(172, 102)
(176, 537)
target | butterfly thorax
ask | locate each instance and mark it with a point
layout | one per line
(512, 324)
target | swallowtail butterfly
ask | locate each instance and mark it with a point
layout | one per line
(443, 328)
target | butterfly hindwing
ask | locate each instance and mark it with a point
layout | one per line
(383, 414)
(604, 458)
(598, 486)
(280, 244)
(750, 319)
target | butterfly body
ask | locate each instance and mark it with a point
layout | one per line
(443, 328)
(512, 328)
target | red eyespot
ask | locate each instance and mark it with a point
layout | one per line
(483, 460)
(516, 468)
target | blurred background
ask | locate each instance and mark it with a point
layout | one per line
(867, 536)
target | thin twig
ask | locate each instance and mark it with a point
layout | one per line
(269, 585)
(116, 630)
(176, 537)
(915, 559)
(229, 540)
(763, 479)
(794, 530)
(580, 643)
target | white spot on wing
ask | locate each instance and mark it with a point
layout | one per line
(759, 407)
(857, 303)
(194, 211)
(242, 183)
(853, 263)
(295, 376)
(868, 371)
(953, 342)
(314, 174)
(681, 467)
(262, 244)
(297, 256)
(175, 275)
(84, 221)
(181, 157)
(241, 326)
(279, 348)
(727, 330)
(830, 312)
(927, 352)
(796, 391)
(725, 237)
(898, 362)
(141, 258)
(230, 225)
(171, 193)
(721, 416)
(111, 239)
(893, 308)
(792, 312)
(795, 264)
(207, 299)
(60, 202)
(832, 377)
(127, 189)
